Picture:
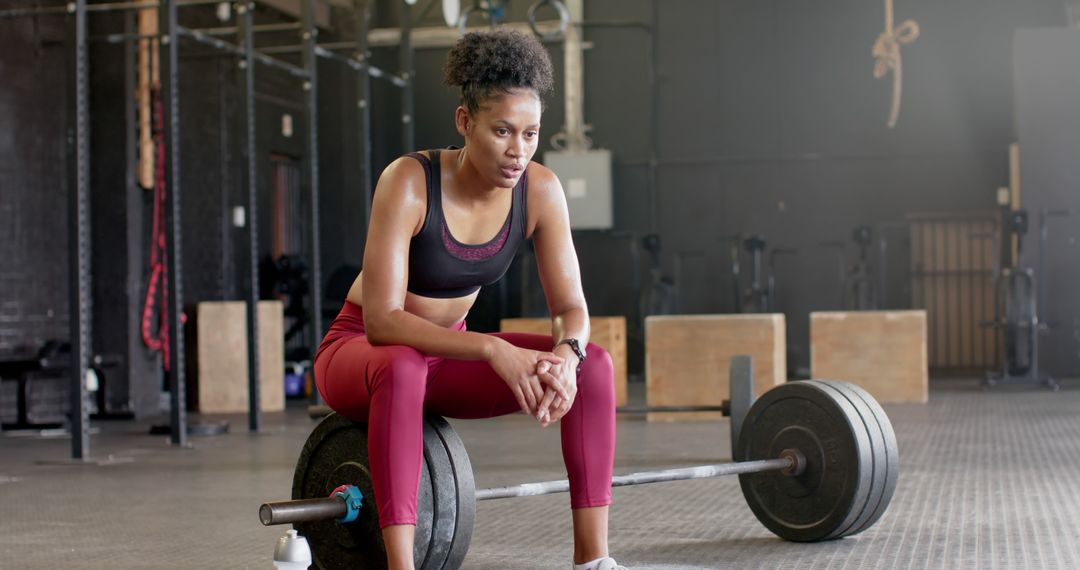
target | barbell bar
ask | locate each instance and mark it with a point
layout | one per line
(335, 507)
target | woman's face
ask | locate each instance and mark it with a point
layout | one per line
(502, 135)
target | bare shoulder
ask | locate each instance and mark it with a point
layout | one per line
(402, 191)
(545, 199)
(543, 183)
(403, 172)
(402, 182)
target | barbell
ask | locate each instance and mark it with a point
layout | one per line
(817, 460)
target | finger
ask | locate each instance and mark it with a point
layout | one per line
(521, 399)
(554, 377)
(546, 404)
(550, 357)
(530, 396)
(538, 392)
(565, 405)
(554, 380)
(559, 410)
(543, 367)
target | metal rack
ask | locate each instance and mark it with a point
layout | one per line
(169, 36)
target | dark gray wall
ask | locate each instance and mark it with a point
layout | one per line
(1047, 86)
(770, 121)
(33, 186)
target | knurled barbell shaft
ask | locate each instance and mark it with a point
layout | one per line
(306, 510)
(700, 472)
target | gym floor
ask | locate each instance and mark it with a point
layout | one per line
(988, 480)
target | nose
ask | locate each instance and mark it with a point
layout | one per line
(517, 147)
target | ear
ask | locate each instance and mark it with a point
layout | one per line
(462, 120)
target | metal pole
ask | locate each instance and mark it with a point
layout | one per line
(311, 102)
(227, 30)
(170, 78)
(405, 53)
(303, 510)
(667, 409)
(215, 43)
(653, 181)
(1040, 284)
(307, 510)
(80, 293)
(245, 23)
(361, 17)
(23, 12)
(574, 79)
(135, 371)
(701, 472)
(71, 7)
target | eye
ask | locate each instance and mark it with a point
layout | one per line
(531, 134)
(502, 131)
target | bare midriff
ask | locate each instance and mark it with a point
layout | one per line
(442, 312)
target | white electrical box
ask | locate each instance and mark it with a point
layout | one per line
(586, 181)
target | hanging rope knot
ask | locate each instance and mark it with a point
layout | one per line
(887, 56)
(887, 47)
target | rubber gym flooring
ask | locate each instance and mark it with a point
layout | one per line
(989, 480)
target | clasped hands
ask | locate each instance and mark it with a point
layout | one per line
(544, 383)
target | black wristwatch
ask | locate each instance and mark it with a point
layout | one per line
(576, 347)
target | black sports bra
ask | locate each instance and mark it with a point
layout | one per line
(441, 266)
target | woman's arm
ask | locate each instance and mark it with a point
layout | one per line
(557, 261)
(560, 276)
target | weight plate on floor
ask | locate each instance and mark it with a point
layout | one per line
(465, 492)
(827, 429)
(892, 455)
(336, 454)
(879, 460)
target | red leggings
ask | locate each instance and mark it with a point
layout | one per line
(391, 387)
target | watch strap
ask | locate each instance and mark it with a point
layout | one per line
(575, 345)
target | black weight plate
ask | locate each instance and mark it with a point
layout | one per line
(336, 454)
(828, 431)
(879, 463)
(465, 489)
(442, 517)
(892, 456)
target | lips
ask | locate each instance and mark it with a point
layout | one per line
(512, 171)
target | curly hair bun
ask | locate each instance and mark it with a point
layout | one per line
(482, 63)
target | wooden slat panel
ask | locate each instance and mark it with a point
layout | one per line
(952, 281)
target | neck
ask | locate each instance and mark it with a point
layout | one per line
(467, 179)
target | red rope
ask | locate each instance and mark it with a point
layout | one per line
(158, 253)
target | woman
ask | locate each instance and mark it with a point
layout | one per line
(400, 348)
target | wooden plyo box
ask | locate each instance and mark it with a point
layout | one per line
(688, 358)
(607, 332)
(884, 352)
(217, 357)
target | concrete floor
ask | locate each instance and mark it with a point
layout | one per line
(989, 480)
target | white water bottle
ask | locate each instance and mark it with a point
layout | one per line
(292, 552)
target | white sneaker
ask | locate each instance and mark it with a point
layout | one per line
(609, 564)
(605, 564)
